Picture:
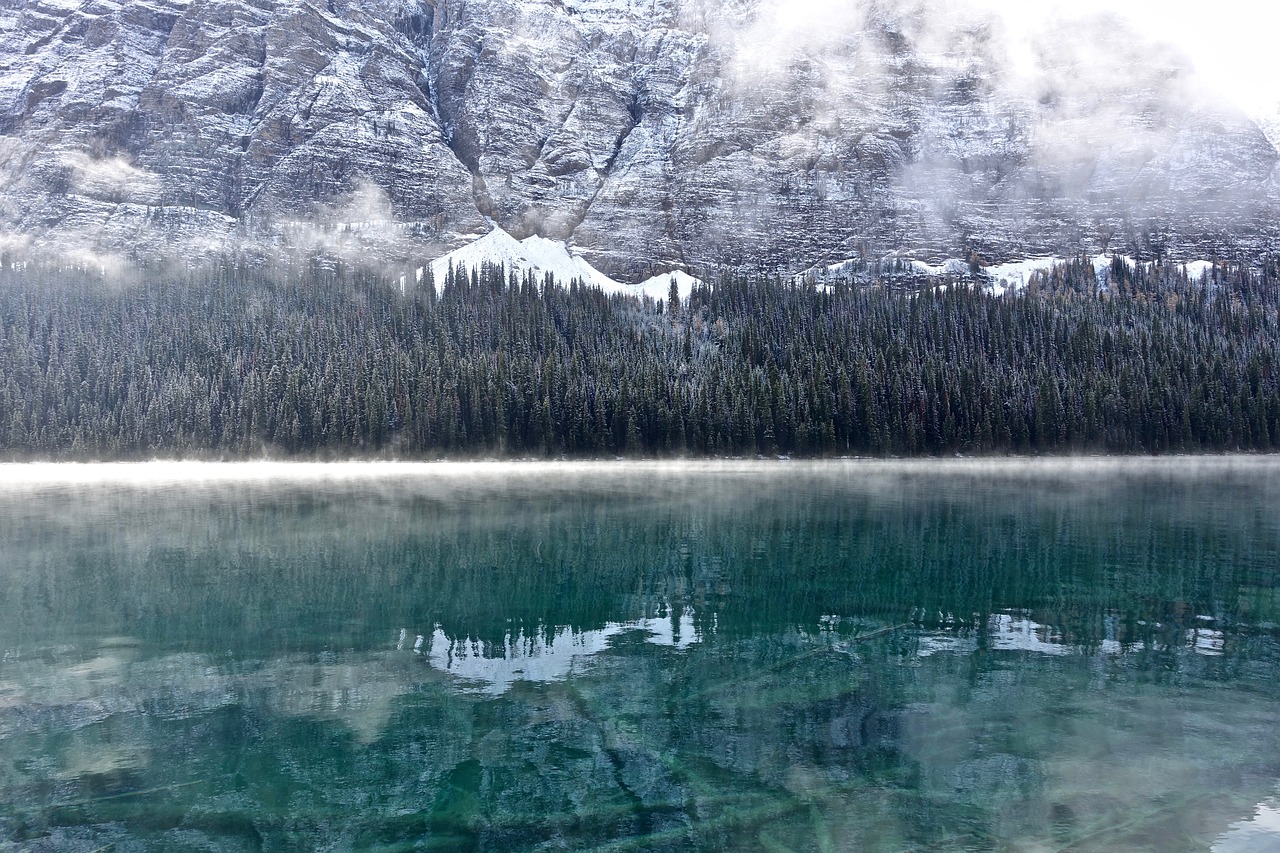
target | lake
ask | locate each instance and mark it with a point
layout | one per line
(877, 656)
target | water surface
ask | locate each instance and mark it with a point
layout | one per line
(1027, 656)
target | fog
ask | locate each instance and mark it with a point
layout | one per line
(17, 477)
(1005, 127)
(359, 229)
(1230, 44)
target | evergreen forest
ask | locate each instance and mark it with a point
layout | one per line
(328, 362)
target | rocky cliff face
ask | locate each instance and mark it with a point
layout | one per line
(651, 134)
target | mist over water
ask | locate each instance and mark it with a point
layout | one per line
(1025, 655)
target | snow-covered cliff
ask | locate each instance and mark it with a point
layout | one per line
(649, 134)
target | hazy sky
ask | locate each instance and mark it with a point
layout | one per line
(1234, 43)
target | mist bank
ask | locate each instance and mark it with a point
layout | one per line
(465, 481)
(500, 548)
(333, 364)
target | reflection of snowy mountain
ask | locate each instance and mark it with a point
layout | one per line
(550, 656)
(1259, 834)
(1017, 631)
(373, 735)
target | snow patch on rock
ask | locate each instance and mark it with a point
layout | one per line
(659, 287)
(1271, 128)
(1016, 274)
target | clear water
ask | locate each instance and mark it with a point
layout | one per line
(945, 656)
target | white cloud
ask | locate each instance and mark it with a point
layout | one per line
(112, 176)
(1231, 42)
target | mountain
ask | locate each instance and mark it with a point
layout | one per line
(649, 135)
(542, 257)
(535, 255)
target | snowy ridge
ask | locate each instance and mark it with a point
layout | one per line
(1000, 278)
(542, 256)
(534, 254)
(659, 287)
(1017, 274)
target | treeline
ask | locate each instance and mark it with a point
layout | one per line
(329, 363)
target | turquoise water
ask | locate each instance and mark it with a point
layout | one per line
(850, 656)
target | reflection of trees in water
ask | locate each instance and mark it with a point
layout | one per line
(333, 566)
(265, 659)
